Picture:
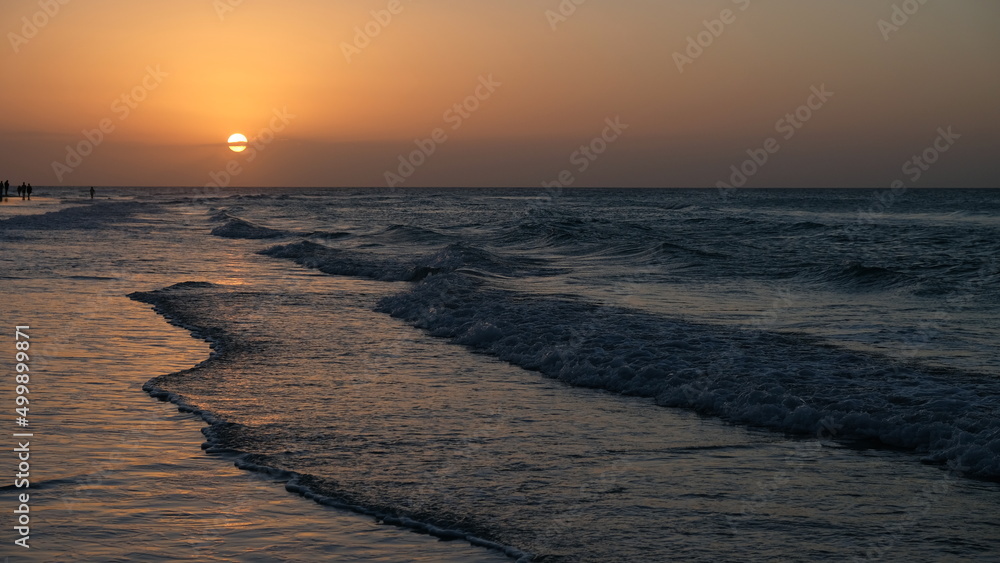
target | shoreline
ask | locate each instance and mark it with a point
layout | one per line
(138, 471)
(221, 342)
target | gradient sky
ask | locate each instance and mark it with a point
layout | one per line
(230, 65)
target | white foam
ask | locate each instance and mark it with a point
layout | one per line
(752, 378)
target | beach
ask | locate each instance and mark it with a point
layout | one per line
(524, 375)
(120, 476)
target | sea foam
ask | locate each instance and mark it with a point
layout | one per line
(781, 382)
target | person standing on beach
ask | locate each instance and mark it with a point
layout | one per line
(92, 192)
(29, 192)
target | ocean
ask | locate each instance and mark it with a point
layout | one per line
(568, 375)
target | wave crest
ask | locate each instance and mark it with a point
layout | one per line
(759, 379)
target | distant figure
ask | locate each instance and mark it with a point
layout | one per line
(92, 192)
(29, 192)
(21, 191)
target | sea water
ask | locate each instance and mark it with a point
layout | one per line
(589, 375)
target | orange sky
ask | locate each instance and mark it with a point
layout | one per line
(200, 70)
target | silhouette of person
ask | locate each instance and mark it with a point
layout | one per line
(21, 190)
(92, 192)
(29, 192)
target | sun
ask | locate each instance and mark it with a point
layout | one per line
(237, 142)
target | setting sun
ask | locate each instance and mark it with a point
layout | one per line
(237, 142)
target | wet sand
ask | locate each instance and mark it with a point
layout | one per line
(119, 476)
